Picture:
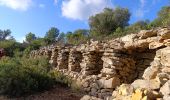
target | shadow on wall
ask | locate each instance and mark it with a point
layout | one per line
(143, 61)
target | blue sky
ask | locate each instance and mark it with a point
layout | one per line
(37, 16)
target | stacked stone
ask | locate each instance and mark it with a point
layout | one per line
(75, 58)
(63, 56)
(155, 81)
(53, 59)
(91, 63)
(143, 61)
(124, 60)
(118, 65)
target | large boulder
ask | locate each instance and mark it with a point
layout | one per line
(146, 84)
(164, 34)
(165, 56)
(150, 73)
(138, 95)
(144, 94)
(155, 45)
(125, 89)
(147, 33)
(165, 89)
(110, 83)
(88, 97)
(162, 78)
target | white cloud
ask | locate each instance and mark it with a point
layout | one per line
(82, 9)
(42, 5)
(16, 4)
(140, 12)
(20, 39)
(55, 2)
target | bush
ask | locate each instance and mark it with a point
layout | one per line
(66, 81)
(24, 76)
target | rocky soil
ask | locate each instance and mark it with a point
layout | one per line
(57, 93)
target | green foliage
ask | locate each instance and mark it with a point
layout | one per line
(51, 35)
(109, 20)
(30, 37)
(10, 46)
(23, 76)
(4, 34)
(139, 25)
(78, 37)
(64, 80)
(61, 39)
(163, 17)
(34, 45)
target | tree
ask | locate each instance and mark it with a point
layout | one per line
(30, 37)
(139, 25)
(164, 15)
(163, 18)
(109, 20)
(51, 35)
(61, 38)
(79, 36)
(4, 34)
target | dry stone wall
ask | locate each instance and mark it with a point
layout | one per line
(141, 62)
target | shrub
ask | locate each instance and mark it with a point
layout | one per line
(24, 76)
(66, 81)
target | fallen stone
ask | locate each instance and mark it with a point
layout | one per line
(147, 33)
(138, 95)
(110, 83)
(166, 97)
(146, 84)
(155, 45)
(164, 33)
(87, 97)
(150, 73)
(165, 89)
(165, 56)
(162, 78)
(125, 89)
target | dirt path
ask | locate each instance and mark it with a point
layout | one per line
(58, 93)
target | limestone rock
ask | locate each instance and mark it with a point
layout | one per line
(164, 33)
(110, 83)
(165, 89)
(109, 71)
(155, 45)
(166, 97)
(138, 95)
(150, 73)
(87, 97)
(162, 78)
(125, 89)
(146, 84)
(147, 33)
(129, 38)
(166, 42)
(165, 56)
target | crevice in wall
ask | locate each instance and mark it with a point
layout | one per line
(62, 60)
(75, 58)
(143, 61)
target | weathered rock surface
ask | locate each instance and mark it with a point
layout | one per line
(141, 62)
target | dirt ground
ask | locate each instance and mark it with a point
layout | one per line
(58, 93)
